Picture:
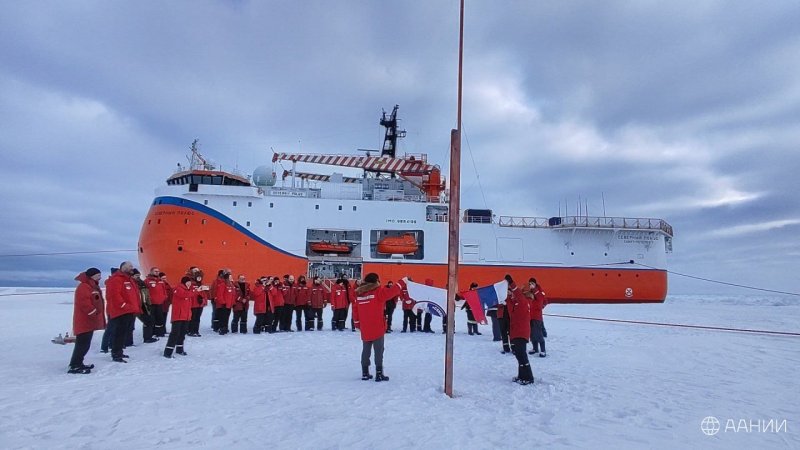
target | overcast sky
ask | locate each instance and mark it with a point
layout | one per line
(682, 110)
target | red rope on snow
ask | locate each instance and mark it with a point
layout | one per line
(680, 325)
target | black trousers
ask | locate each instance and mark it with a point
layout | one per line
(518, 346)
(409, 319)
(389, 312)
(537, 335)
(214, 318)
(286, 317)
(492, 313)
(419, 320)
(159, 320)
(239, 321)
(504, 332)
(176, 337)
(148, 326)
(277, 323)
(428, 319)
(261, 323)
(82, 343)
(339, 318)
(194, 324)
(123, 326)
(223, 314)
(316, 313)
(301, 311)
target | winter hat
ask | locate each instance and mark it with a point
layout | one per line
(185, 279)
(371, 277)
(92, 271)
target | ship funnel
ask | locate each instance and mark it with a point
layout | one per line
(264, 176)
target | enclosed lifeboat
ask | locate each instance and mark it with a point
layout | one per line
(398, 245)
(330, 247)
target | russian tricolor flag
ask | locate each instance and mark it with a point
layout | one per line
(484, 297)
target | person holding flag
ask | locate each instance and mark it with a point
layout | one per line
(472, 324)
(369, 317)
(518, 309)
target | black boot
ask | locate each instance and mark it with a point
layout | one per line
(80, 370)
(379, 376)
(365, 375)
(168, 352)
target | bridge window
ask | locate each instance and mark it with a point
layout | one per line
(249, 204)
(234, 203)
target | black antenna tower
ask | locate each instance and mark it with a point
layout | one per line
(392, 133)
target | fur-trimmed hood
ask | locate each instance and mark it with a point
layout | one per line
(366, 287)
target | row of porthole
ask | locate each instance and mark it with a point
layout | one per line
(619, 274)
(202, 221)
(573, 253)
(180, 247)
(272, 205)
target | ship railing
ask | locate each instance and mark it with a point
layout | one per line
(628, 223)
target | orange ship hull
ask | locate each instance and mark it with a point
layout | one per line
(175, 237)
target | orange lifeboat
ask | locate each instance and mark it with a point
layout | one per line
(398, 245)
(330, 247)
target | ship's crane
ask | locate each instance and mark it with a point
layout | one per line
(412, 168)
(316, 177)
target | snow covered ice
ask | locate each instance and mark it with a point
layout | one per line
(602, 384)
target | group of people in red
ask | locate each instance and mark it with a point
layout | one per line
(275, 301)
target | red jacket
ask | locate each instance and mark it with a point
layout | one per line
(288, 294)
(225, 293)
(338, 297)
(259, 299)
(302, 295)
(243, 297)
(368, 309)
(317, 296)
(200, 295)
(122, 294)
(538, 301)
(158, 289)
(408, 302)
(182, 301)
(89, 306)
(519, 315)
(276, 297)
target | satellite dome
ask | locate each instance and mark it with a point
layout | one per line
(264, 176)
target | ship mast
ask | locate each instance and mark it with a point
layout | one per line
(453, 212)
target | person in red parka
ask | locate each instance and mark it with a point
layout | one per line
(277, 303)
(338, 301)
(302, 304)
(538, 300)
(124, 304)
(225, 295)
(241, 305)
(369, 317)
(287, 289)
(199, 302)
(182, 298)
(260, 305)
(87, 316)
(518, 309)
(409, 318)
(158, 290)
(317, 300)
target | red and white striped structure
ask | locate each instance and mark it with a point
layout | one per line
(408, 165)
(316, 176)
